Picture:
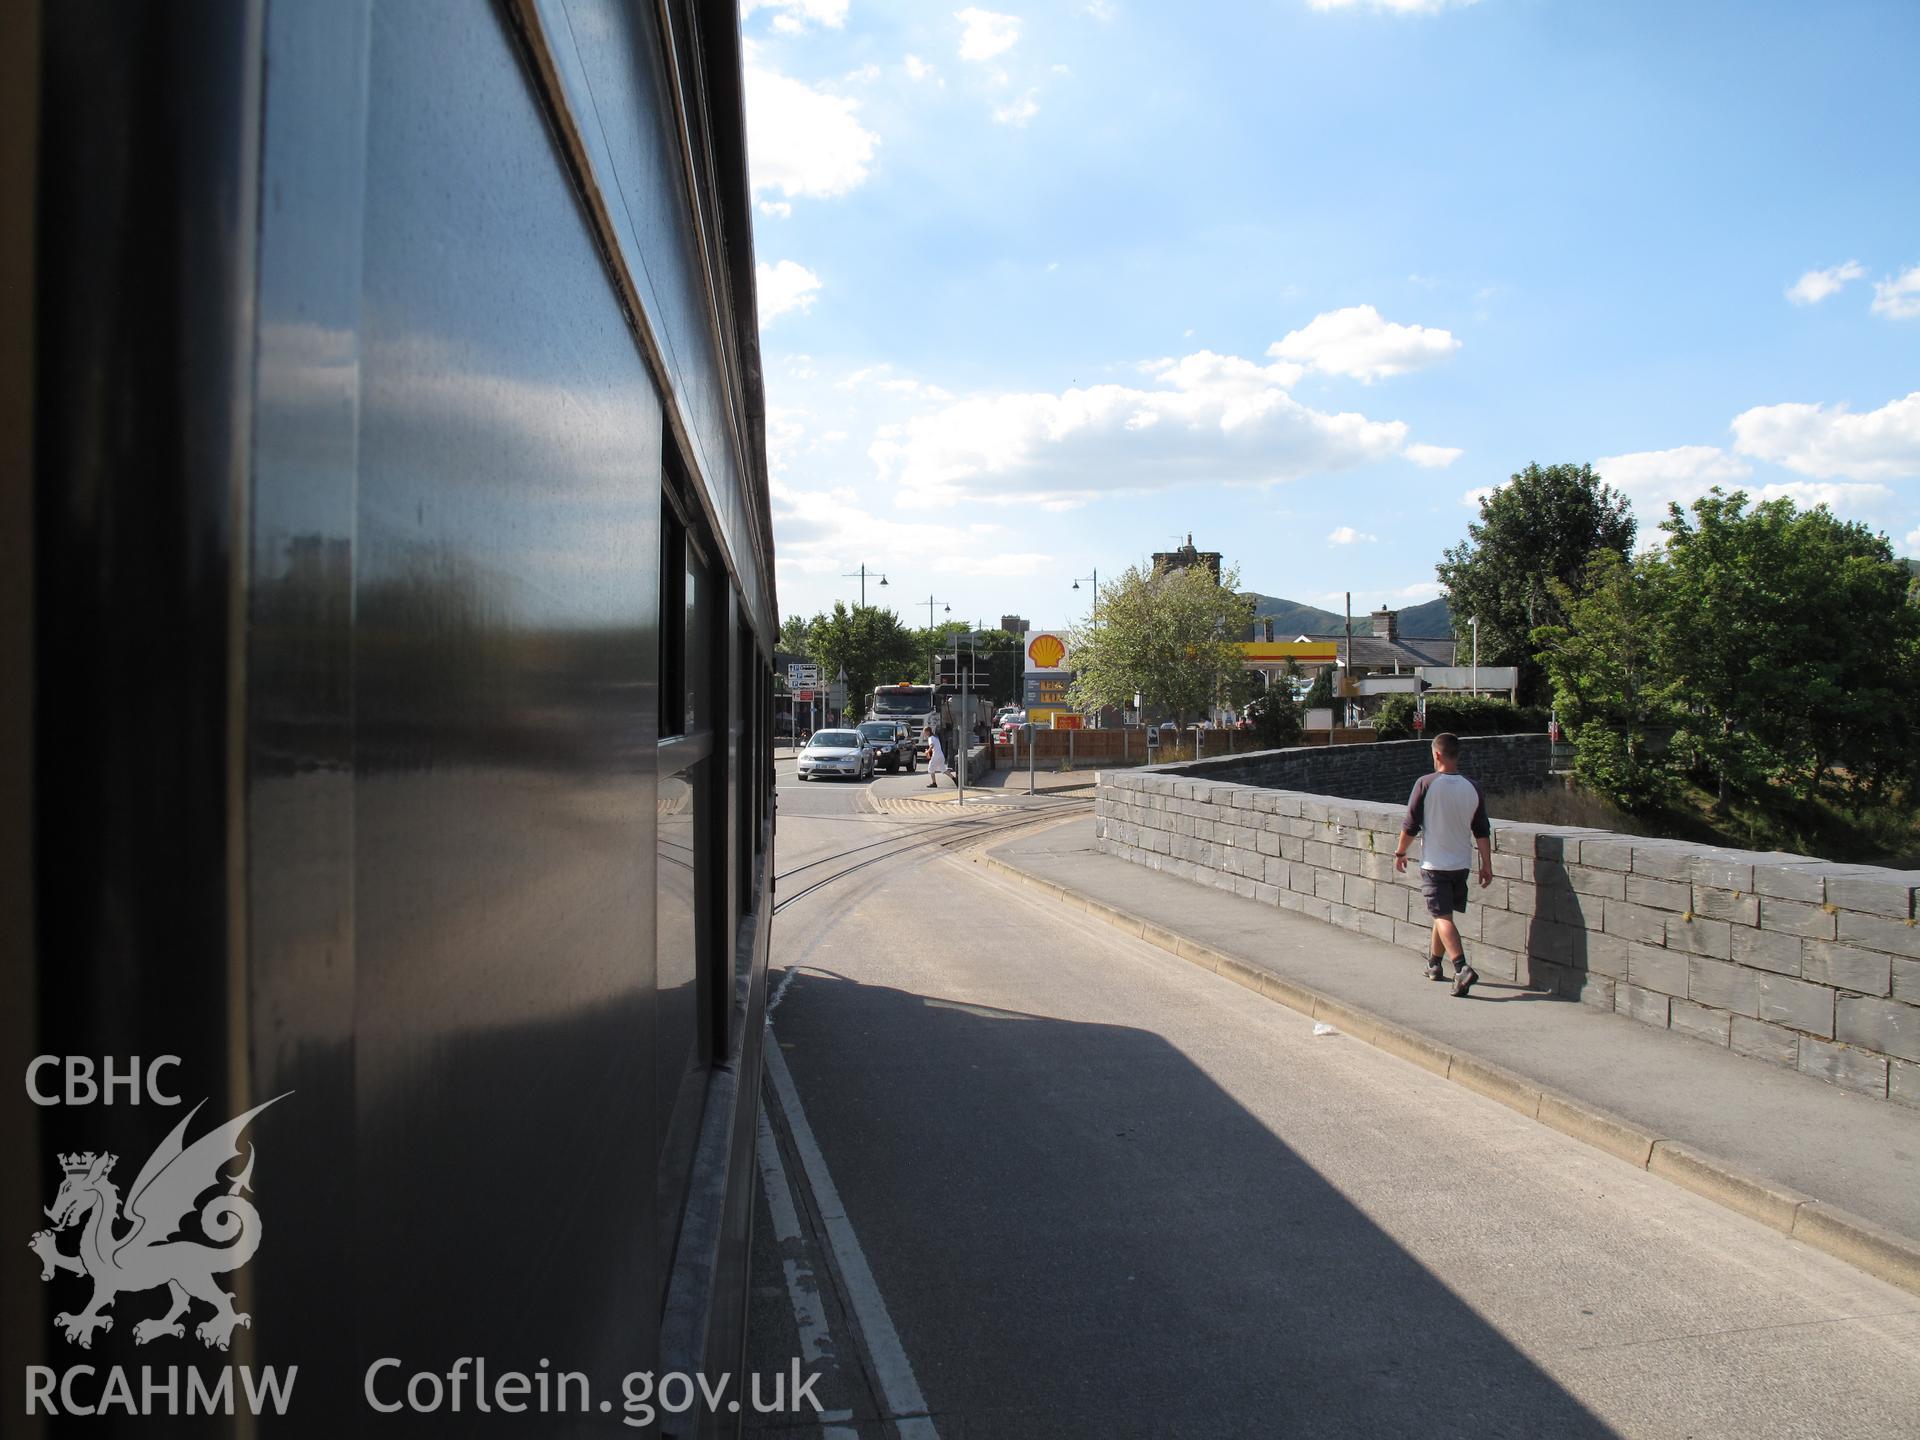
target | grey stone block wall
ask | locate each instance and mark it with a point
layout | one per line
(1384, 770)
(1799, 962)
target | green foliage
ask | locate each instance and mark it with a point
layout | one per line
(1276, 719)
(868, 643)
(793, 634)
(1320, 694)
(1769, 653)
(998, 652)
(1171, 637)
(1543, 525)
(1458, 715)
(1611, 688)
(1789, 635)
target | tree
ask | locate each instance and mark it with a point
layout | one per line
(1276, 718)
(1791, 638)
(1542, 526)
(1608, 681)
(793, 635)
(1170, 636)
(1319, 695)
(870, 644)
(997, 651)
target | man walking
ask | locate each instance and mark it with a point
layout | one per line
(1451, 810)
(936, 760)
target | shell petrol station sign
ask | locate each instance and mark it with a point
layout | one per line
(1046, 677)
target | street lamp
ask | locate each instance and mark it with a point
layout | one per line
(1474, 621)
(1094, 580)
(861, 576)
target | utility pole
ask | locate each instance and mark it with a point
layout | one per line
(861, 576)
(1346, 681)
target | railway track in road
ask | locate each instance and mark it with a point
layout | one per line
(970, 831)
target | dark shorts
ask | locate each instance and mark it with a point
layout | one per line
(1446, 891)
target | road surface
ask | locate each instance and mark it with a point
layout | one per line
(1024, 1176)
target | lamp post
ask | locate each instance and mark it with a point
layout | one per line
(1094, 580)
(1474, 621)
(861, 576)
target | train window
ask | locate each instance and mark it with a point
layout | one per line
(673, 550)
(690, 866)
(697, 669)
(746, 754)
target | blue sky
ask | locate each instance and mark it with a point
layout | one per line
(1045, 287)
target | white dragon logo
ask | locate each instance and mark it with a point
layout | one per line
(146, 1256)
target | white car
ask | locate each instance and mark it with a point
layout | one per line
(836, 752)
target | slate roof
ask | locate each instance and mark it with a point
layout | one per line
(1372, 653)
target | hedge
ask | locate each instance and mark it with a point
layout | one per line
(1460, 715)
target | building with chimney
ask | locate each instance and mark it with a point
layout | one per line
(1379, 648)
(1185, 558)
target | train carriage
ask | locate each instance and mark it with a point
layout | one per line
(390, 586)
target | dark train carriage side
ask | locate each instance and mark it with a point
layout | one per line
(390, 592)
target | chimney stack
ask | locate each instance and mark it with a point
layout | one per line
(1386, 624)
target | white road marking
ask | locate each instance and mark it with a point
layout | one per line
(803, 1287)
(780, 992)
(906, 1406)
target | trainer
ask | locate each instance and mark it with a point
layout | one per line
(1452, 812)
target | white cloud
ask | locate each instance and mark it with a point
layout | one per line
(802, 141)
(1357, 342)
(1017, 112)
(1913, 541)
(783, 287)
(1898, 298)
(1101, 10)
(793, 16)
(1816, 285)
(1653, 479)
(985, 34)
(778, 209)
(865, 75)
(1851, 498)
(1210, 419)
(816, 530)
(881, 377)
(1433, 457)
(1829, 441)
(917, 69)
(1474, 496)
(1397, 7)
(1347, 535)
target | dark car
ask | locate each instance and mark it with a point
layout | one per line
(891, 742)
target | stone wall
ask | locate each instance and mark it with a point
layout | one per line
(1128, 745)
(1800, 962)
(1384, 770)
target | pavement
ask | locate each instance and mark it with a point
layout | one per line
(1836, 1170)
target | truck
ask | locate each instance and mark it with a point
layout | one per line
(917, 705)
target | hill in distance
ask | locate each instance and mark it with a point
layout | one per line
(1431, 621)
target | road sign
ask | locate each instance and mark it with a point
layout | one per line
(803, 675)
